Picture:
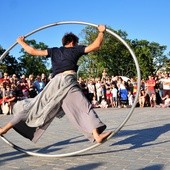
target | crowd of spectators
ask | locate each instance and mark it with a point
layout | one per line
(102, 92)
(13, 89)
(120, 91)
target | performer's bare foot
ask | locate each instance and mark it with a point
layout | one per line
(100, 137)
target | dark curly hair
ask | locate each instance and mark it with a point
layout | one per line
(69, 37)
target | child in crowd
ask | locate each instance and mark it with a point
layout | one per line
(95, 103)
(103, 104)
(114, 92)
(130, 98)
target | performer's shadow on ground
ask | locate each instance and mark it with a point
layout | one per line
(136, 138)
(62, 144)
(142, 137)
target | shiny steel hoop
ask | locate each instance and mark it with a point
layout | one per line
(121, 124)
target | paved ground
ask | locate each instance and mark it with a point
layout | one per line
(142, 144)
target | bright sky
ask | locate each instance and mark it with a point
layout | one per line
(141, 19)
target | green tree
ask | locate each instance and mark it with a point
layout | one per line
(116, 58)
(113, 56)
(9, 64)
(150, 56)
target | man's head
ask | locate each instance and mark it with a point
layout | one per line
(68, 38)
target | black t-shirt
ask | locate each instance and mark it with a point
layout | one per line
(64, 59)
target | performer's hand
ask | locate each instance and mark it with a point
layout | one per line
(101, 28)
(20, 39)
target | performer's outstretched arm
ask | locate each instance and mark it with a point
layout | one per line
(5, 129)
(29, 49)
(98, 41)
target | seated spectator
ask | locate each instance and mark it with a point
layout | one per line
(95, 103)
(103, 104)
(166, 101)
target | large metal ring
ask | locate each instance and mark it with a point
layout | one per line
(121, 124)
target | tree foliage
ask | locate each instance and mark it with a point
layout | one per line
(114, 56)
(9, 64)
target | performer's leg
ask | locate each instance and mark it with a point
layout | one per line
(6, 128)
(80, 112)
(15, 119)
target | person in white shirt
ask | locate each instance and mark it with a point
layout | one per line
(91, 90)
(114, 92)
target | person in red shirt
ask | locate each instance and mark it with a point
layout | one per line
(150, 86)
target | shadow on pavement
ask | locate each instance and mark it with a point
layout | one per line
(140, 138)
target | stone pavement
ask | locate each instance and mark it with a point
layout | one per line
(142, 144)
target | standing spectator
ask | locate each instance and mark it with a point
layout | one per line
(91, 90)
(39, 84)
(31, 87)
(150, 84)
(114, 92)
(134, 84)
(50, 76)
(123, 92)
(142, 98)
(157, 93)
(104, 75)
(99, 91)
(44, 78)
(23, 85)
(109, 93)
(130, 86)
(166, 85)
(6, 80)
(153, 100)
(160, 88)
(104, 88)
(142, 85)
(14, 79)
(83, 86)
(130, 98)
(10, 96)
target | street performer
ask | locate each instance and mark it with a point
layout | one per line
(62, 95)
